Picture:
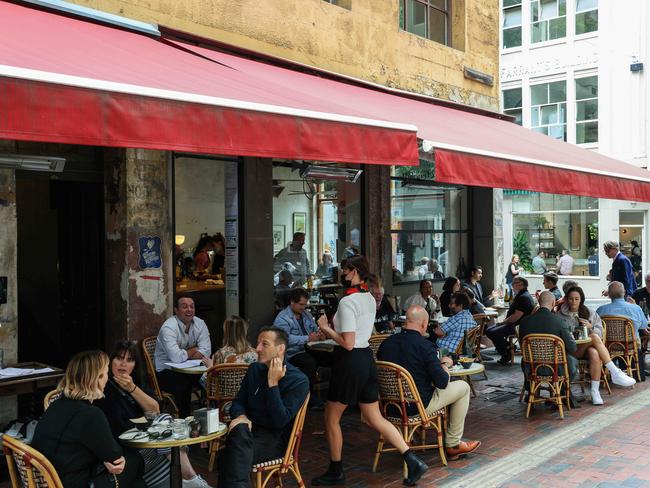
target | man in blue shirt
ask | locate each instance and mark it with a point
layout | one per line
(301, 329)
(452, 331)
(619, 306)
(269, 398)
(622, 270)
(418, 356)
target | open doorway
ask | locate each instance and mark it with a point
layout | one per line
(60, 267)
(631, 228)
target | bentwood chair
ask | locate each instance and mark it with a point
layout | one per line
(545, 365)
(473, 339)
(482, 320)
(222, 385)
(50, 397)
(620, 340)
(166, 400)
(401, 405)
(28, 468)
(276, 468)
(375, 341)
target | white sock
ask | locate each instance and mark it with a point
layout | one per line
(612, 367)
(595, 385)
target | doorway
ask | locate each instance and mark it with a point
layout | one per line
(631, 229)
(60, 267)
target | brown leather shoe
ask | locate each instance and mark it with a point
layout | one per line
(461, 449)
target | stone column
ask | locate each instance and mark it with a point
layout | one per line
(139, 243)
(377, 236)
(8, 269)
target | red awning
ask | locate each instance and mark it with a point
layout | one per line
(71, 81)
(470, 148)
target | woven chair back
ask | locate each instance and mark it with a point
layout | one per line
(471, 336)
(223, 382)
(50, 398)
(617, 328)
(28, 467)
(148, 350)
(375, 341)
(545, 355)
(397, 389)
(293, 448)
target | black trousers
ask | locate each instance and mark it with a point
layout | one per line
(131, 476)
(309, 361)
(499, 335)
(244, 449)
(180, 385)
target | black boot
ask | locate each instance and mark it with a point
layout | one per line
(416, 468)
(332, 477)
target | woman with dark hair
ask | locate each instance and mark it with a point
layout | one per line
(576, 314)
(354, 375)
(202, 253)
(451, 286)
(219, 258)
(126, 397)
(74, 435)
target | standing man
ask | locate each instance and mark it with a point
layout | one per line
(181, 337)
(431, 376)
(295, 255)
(473, 283)
(539, 265)
(269, 398)
(622, 270)
(301, 329)
(521, 307)
(565, 263)
(452, 331)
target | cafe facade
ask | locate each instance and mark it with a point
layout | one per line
(115, 162)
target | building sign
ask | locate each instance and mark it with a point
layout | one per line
(149, 252)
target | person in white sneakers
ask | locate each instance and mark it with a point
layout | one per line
(575, 314)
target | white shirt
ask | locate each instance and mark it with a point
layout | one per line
(173, 342)
(356, 313)
(418, 299)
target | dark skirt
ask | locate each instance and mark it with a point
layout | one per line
(354, 377)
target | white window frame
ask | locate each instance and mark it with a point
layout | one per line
(504, 9)
(565, 102)
(546, 21)
(576, 101)
(508, 111)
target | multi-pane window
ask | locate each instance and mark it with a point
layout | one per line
(587, 110)
(511, 23)
(548, 109)
(512, 104)
(548, 20)
(586, 16)
(426, 18)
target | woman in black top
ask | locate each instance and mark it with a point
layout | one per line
(75, 436)
(125, 399)
(451, 286)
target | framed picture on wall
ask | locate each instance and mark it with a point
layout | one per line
(279, 238)
(299, 222)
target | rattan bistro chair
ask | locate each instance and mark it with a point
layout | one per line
(28, 468)
(223, 382)
(545, 364)
(50, 397)
(166, 400)
(620, 340)
(276, 468)
(397, 392)
(375, 341)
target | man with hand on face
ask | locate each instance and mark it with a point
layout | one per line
(269, 398)
(183, 336)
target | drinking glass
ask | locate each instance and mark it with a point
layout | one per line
(179, 428)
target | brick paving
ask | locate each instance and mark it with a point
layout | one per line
(618, 455)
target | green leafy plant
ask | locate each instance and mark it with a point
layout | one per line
(522, 249)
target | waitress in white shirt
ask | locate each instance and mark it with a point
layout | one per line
(354, 375)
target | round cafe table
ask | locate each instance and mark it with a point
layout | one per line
(583, 341)
(176, 480)
(458, 371)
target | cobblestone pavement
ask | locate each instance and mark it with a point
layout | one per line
(592, 447)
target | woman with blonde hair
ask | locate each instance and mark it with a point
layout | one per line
(75, 436)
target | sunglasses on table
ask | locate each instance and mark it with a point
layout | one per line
(152, 436)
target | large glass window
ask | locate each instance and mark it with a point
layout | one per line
(426, 18)
(556, 225)
(511, 23)
(587, 110)
(429, 230)
(316, 224)
(548, 20)
(586, 16)
(512, 103)
(548, 109)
